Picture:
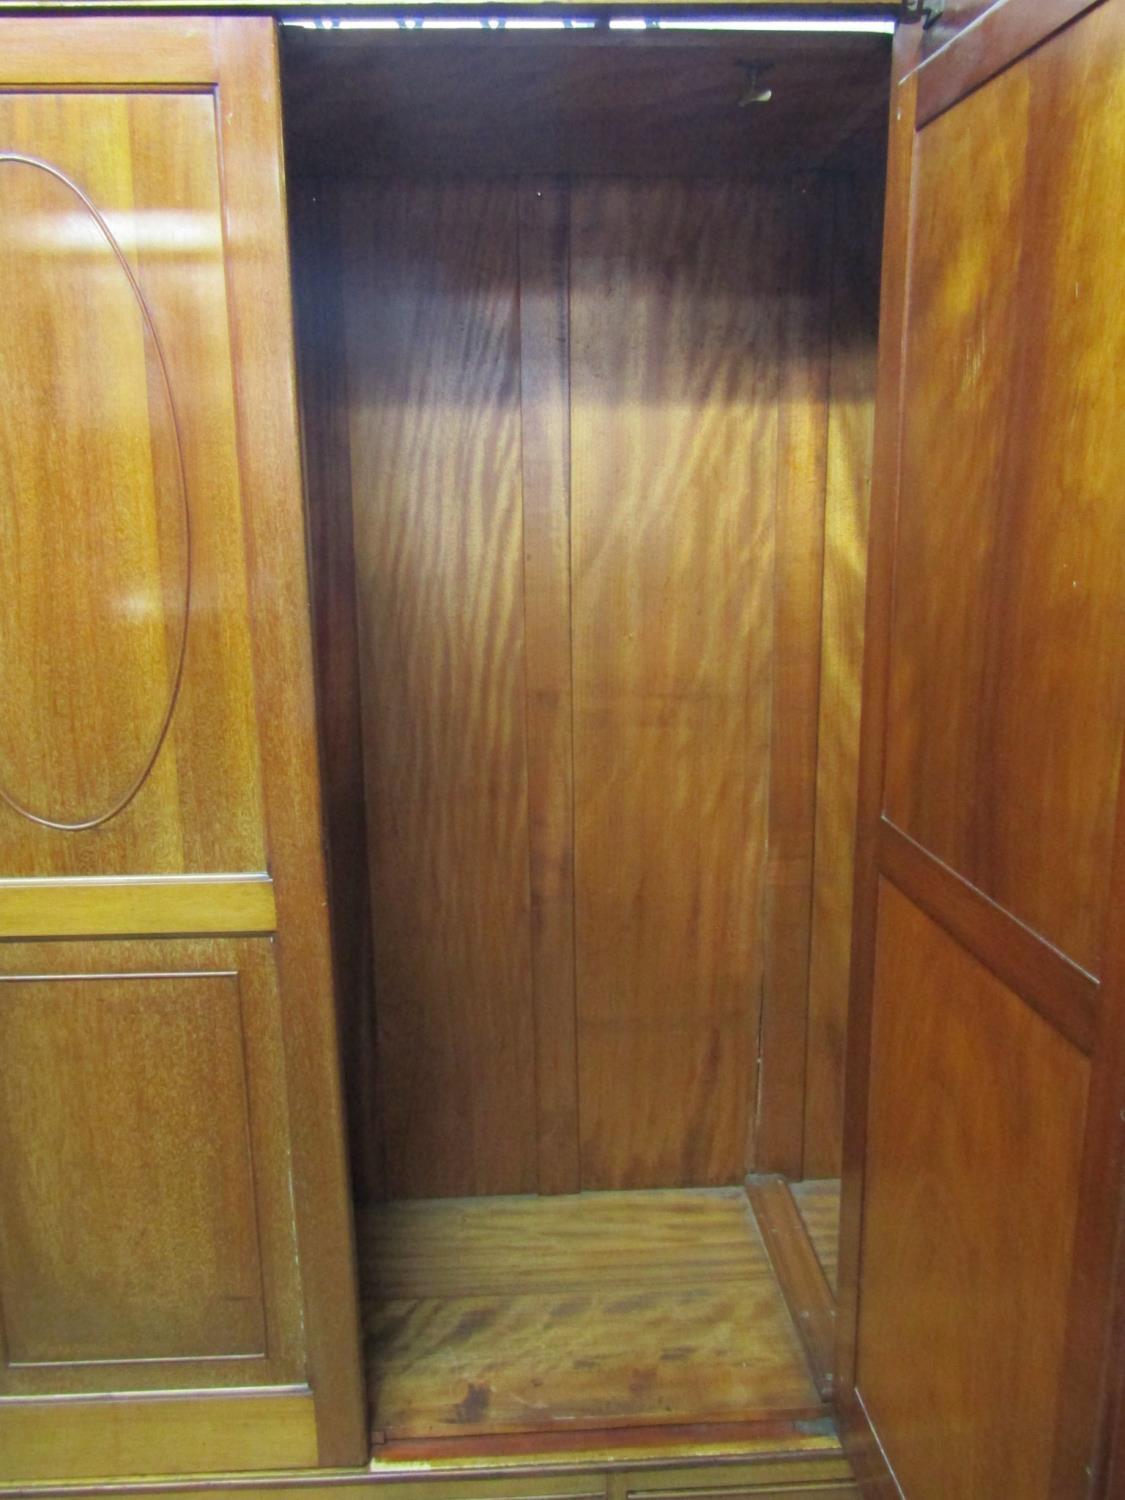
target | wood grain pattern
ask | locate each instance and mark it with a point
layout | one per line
(545, 456)
(269, 458)
(147, 1237)
(87, 1276)
(674, 440)
(701, 440)
(857, 222)
(802, 442)
(738, 1491)
(435, 451)
(989, 35)
(1030, 149)
(591, 1311)
(70, 1440)
(1090, 1432)
(732, 1485)
(969, 1217)
(1110, 1470)
(148, 164)
(1090, 56)
(529, 1364)
(854, 1424)
(1007, 699)
(1060, 991)
(106, 55)
(446, 1249)
(72, 654)
(137, 907)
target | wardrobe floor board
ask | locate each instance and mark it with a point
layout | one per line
(818, 1203)
(600, 1310)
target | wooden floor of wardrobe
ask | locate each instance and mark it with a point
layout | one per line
(585, 1312)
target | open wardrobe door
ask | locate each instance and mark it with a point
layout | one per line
(986, 1077)
(176, 1277)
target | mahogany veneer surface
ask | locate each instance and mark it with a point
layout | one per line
(969, 1217)
(1006, 692)
(594, 453)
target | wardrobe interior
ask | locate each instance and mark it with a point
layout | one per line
(586, 323)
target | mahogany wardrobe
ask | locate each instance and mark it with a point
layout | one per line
(562, 680)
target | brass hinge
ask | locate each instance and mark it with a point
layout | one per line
(926, 11)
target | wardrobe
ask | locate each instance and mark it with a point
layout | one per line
(561, 849)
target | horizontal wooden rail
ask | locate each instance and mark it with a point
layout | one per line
(137, 906)
(1062, 992)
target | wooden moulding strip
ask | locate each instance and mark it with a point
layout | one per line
(1062, 992)
(799, 1273)
(60, 1439)
(137, 907)
(985, 47)
(126, 51)
(799, 1465)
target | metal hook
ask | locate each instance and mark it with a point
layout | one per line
(754, 91)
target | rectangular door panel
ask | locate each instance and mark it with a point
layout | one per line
(127, 1227)
(145, 1233)
(973, 1168)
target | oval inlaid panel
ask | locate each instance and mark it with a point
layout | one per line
(95, 564)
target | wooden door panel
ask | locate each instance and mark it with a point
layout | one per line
(973, 1168)
(1006, 694)
(95, 627)
(143, 1176)
(172, 1200)
(984, 1146)
(123, 547)
(154, 1254)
